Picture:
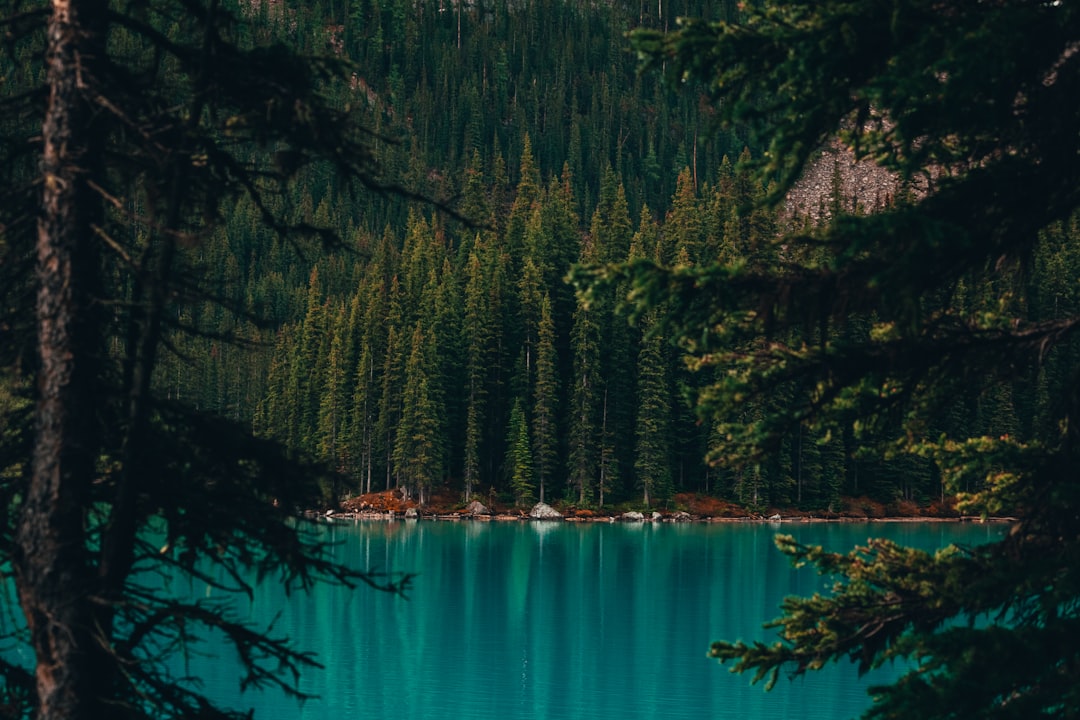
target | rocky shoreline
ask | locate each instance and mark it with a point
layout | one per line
(330, 516)
(387, 507)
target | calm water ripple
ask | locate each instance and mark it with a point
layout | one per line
(521, 621)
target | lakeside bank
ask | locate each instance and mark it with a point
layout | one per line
(389, 506)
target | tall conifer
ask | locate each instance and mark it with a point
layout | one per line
(519, 460)
(545, 401)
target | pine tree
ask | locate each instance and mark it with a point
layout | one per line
(610, 236)
(150, 124)
(585, 395)
(332, 447)
(683, 225)
(529, 299)
(306, 379)
(390, 395)
(417, 455)
(545, 401)
(474, 202)
(362, 422)
(519, 461)
(998, 177)
(528, 193)
(449, 361)
(481, 340)
(652, 460)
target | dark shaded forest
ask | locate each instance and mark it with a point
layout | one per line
(432, 353)
(258, 257)
(440, 345)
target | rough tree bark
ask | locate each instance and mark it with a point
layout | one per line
(51, 559)
(124, 174)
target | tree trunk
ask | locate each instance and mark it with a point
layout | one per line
(51, 559)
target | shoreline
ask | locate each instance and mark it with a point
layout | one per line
(447, 506)
(392, 516)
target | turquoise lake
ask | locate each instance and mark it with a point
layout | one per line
(541, 621)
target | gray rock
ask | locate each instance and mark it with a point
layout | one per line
(632, 516)
(657, 517)
(775, 518)
(543, 511)
(477, 508)
(681, 516)
(412, 513)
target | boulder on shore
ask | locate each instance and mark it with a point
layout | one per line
(412, 513)
(543, 511)
(657, 517)
(681, 516)
(632, 516)
(476, 508)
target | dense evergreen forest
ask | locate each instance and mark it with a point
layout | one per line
(434, 353)
(440, 345)
(257, 256)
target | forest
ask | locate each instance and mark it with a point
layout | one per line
(440, 346)
(258, 257)
(400, 361)
(443, 347)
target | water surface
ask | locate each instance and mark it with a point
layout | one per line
(523, 621)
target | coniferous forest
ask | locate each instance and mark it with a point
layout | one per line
(441, 346)
(257, 257)
(400, 358)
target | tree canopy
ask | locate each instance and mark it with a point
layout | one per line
(923, 348)
(875, 325)
(128, 131)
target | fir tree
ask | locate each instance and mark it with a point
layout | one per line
(652, 462)
(545, 401)
(995, 124)
(332, 414)
(417, 455)
(519, 461)
(478, 331)
(585, 397)
(149, 123)
(393, 374)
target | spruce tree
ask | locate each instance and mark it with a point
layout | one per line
(611, 234)
(390, 394)
(332, 447)
(652, 458)
(476, 341)
(149, 122)
(527, 194)
(417, 452)
(362, 421)
(305, 380)
(979, 101)
(519, 461)
(585, 397)
(545, 401)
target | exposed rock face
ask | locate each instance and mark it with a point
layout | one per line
(862, 185)
(543, 511)
(681, 516)
(632, 516)
(477, 508)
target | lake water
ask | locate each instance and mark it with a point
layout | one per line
(523, 621)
